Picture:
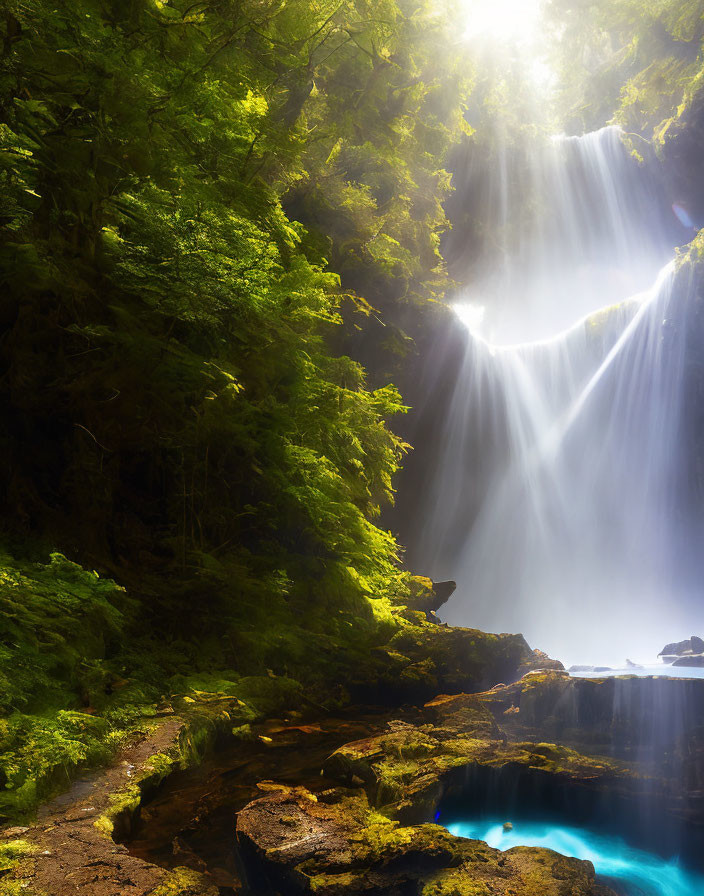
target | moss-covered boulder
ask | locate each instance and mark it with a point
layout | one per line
(335, 844)
(410, 770)
(426, 596)
(422, 660)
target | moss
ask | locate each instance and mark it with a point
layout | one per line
(184, 882)
(455, 883)
(159, 766)
(15, 857)
(122, 804)
(16, 888)
(347, 882)
(11, 851)
(380, 840)
(243, 732)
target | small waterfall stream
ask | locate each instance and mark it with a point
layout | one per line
(554, 498)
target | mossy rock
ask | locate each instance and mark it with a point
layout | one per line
(340, 846)
(184, 882)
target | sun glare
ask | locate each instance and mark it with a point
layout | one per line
(470, 315)
(501, 20)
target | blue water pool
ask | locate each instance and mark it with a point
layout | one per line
(636, 872)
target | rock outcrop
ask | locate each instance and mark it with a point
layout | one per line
(427, 596)
(577, 745)
(423, 660)
(693, 661)
(335, 844)
(688, 647)
(541, 662)
(374, 832)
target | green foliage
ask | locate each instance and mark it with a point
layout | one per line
(203, 207)
(637, 62)
(40, 754)
(170, 386)
(387, 105)
(82, 664)
(14, 856)
(58, 620)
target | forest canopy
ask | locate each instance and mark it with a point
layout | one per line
(193, 193)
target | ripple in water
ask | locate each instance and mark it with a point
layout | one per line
(633, 871)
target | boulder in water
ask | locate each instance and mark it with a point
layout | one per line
(696, 660)
(296, 842)
(693, 645)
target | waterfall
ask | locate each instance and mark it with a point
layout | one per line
(553, 501)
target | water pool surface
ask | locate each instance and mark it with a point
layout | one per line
(633, 871)
(660, 670)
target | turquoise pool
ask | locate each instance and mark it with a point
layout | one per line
(637, 873)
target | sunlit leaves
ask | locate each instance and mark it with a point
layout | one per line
(635, 61)
(174, 317)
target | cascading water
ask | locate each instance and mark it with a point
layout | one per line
(553, 505)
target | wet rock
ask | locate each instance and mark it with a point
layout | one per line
(378, 837)
(694, 661)
(373, 832)
(410, 770)
(540, 661)
(693, 645)
(348, 848)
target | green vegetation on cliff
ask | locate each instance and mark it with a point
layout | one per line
(206, 208)
(640, 63)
